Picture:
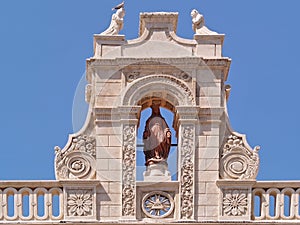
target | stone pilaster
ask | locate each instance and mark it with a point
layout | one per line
(186, 120)
(109, 163)
(207, 166)
(129, 121)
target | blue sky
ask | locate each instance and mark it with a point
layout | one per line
(43, 49)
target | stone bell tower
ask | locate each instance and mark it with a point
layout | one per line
(186, 77)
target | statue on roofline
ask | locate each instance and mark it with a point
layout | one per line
(157, 138)
(199, 24)
(116, 23)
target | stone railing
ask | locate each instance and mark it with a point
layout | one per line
(75, 200)
(276, 200)
(261, 201)
(47, 200)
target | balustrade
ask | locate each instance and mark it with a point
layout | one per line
(31, 201)
(276, 200)
(47, 200)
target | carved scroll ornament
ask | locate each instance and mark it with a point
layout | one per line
(77, 161)
(238, 161)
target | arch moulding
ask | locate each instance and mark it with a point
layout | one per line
(161, 86)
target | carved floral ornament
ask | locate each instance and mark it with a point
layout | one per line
(238, 161)
(187, 172)
(77, 161)
(235, 203)
(128, 176)
(80, 203)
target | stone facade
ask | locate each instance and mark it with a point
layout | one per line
(96, 170)
(186, 77)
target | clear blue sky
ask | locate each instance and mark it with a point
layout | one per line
(43, 49)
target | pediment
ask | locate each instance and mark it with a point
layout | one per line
(157, 38)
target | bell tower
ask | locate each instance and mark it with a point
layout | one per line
(159, 70)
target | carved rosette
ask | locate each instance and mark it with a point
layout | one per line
(235, 203)
(79, 203)
(128, 176)
(77, 161)
(187, 172)
(238, 161)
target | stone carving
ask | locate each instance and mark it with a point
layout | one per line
(128, 189)
(157, 204)
(175, 86)
(80, 203)
(140, 72)
(235, 203)
(77, 161)
(88, 93)
(199, 24)
(116, 23)
(187, 172)
(157, 137)
(238, 161)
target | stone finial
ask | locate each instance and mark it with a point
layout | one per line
(199, 24)
(116, 23)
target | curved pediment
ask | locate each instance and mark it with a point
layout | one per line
(157, 38)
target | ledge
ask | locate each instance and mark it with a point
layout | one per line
(30, 183)
(234, 183)
(209, 38)
(277, 184)
(149, 183)
(118, 222)
(45, 183)
(109, 38)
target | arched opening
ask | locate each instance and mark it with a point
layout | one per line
(169, 92)
(167, 112)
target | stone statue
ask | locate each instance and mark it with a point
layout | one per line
(157, 138)
(116, 23)
(199, 24)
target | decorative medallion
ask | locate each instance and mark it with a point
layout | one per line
(157, 204)
(80, 203)
(235, 203)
